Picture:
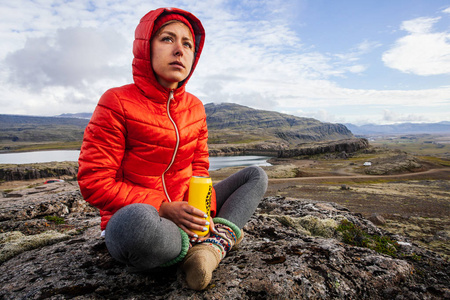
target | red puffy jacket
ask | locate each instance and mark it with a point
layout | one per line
(142, 145)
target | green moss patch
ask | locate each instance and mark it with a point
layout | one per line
(55, 219)
(353, 235)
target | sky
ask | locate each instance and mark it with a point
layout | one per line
(346, 61)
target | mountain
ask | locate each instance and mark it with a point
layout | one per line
(234, 123)
(403, 128)
(7, 121)
(34, 129)
(228, 123)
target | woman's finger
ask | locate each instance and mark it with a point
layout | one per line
(191, 234)
(195, 211)
(211, 225)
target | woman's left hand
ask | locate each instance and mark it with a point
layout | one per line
(202, 238)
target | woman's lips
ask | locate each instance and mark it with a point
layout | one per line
(177, 64)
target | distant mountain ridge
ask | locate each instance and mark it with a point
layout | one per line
(34, 129)
(7, 121)
(244, 124)
(402, 128)
(228, 123)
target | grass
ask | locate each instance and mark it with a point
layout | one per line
(24, 147)
(436, 160)
(42, 166)
(420, 144)
(353, 235)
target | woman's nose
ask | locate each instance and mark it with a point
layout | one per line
(178, 51)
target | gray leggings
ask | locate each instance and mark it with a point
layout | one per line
(137, 236)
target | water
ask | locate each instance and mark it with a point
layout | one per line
(237, 161)
(39, 156)
(72, 155)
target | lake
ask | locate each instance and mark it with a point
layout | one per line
(72, 155)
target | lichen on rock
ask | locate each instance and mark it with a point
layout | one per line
(14, 242)
(310, 225)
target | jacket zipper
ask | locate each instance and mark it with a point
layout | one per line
(176, 146)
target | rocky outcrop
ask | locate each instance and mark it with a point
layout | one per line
(265, 149)
(285, 151)
(400, 162)
(347, 146)
(293, 249)
(315, 133)
(36, 171)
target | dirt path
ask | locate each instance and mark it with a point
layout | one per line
(443, 173)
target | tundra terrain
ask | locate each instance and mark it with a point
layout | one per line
(403, 194)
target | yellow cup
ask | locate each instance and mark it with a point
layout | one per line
(200, 191)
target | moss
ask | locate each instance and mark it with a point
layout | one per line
(55, 219)
(353, 235)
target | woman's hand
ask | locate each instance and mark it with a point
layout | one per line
(184, 216)
(202, 238)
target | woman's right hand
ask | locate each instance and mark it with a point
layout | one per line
(184, 216)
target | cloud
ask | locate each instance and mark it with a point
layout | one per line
(60, 57)
(419, 25)
(321, 114)
(75, 57)
(422, 51)
(393, 117)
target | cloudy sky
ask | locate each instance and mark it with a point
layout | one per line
(374, 61)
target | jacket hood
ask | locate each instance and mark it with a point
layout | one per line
(143, 74)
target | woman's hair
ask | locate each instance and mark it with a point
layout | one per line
(168, 23)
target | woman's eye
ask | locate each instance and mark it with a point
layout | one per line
(188, 45)
(166, 39)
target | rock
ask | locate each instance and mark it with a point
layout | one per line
(442, 236)
(14, 242)
(293, 249)
(336, 149)
(344, 187)
(393, 164)
(377, 219)
(36, 171)
(340, 147)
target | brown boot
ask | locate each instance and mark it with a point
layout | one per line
(202, 259)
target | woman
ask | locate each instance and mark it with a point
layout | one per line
(141, 147)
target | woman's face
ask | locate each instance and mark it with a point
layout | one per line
(172, 54)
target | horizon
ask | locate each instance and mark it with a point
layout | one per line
(355, 62)
(72, 115)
